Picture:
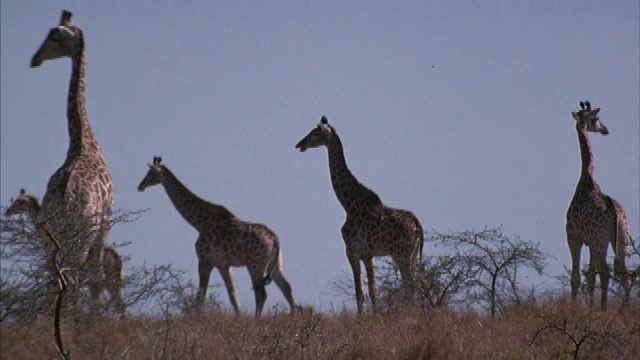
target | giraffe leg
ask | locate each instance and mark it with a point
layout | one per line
(114, 280)
(283, 285)
(116, 299)
(575, 269)
(620, 272)
(114, 287)
(204, 272)
(95, 275)
(621, 251)
(406, 272)
(96, 290)
(603, 272)
(371, 282)
(591, 280)
(354, 261)
(259, 290)
(227, 277)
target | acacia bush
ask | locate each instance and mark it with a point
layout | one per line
(482, 269)
(40, 274)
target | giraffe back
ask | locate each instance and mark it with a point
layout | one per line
(237, 243)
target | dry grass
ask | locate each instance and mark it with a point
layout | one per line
(555, 329)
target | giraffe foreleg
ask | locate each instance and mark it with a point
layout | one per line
(204, 272)
(227, 277)
(575, 269)
(354, 261)
(591, 280)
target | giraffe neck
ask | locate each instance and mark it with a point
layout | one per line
(195, 210)
(586, 173)
(81, 138)
(352, 195)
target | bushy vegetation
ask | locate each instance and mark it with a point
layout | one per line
(469, 303)
(553, 328)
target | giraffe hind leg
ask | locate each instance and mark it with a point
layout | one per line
(283, 285)
(259, 290)
(357, 279)
(371, 282)
(622, 247)
(603, 272)
(405, 266)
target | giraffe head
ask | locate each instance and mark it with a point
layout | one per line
(60, 42)
(588, 119)
(23, 204)
(154, 175)
(319, 136)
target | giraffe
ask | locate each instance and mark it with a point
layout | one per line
(224, 241)
(82, 185)
(371, 228)
(112, 273)
(595, 219)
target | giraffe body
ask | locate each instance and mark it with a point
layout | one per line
(371, 228)
(112, 272)
(224, 241)
(81, 188)
(595, 219)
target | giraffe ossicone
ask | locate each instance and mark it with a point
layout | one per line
(224, 241)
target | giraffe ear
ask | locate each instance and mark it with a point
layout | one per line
(595, 111)
(575, 115)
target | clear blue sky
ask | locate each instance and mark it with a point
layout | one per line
(456, 111)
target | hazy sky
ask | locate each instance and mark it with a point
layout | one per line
(456, 111)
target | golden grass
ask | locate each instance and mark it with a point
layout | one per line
(554, 329)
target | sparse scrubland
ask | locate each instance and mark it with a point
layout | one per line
(469, 304)
(548, 329)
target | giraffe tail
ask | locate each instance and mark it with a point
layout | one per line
(421, 239)
(273, 261)
(621, 243)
